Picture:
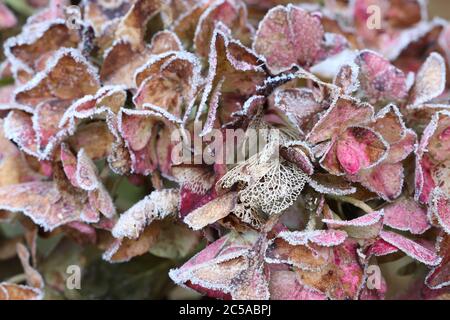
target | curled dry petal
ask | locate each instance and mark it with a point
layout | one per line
(407, 215)
(440, 208)
(411, 248)
(379, 80)
(364, 227)
(341, 277)
(285, 286)
(211, 212)
(430, 80)
(124, 249)
(43, 203)
(30, 50)
(341, 115)
(439, 276)
(231, 13)
(34, 279)
(213, 269)
(11, 291)
(287, 37)
(121, 60)
(156, 206)
(7, 17)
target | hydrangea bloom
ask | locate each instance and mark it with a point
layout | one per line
(348, 193)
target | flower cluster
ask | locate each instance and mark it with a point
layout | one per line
(349, 200)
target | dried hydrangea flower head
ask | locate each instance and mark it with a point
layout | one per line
(245, 149)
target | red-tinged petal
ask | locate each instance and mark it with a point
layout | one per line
(330, 161)
(69, 162)
(436, 137)
(360, 148)
(345, 257)
(406, 215)
(186, 24)
(211, 212)
(231, 13)
(104, 105)
(400, 150)
(13, 165)
(11, 291)
(80, 232)
(153, 66)
(440, 207)
(389, 123)
(252, 283)
(344, 113)
(365, 227)
(99, 13)
(297, 253)
(287, 37)
(234, 74)
(411, 248)
(430, 80)
(330, 184)
(325, 238)
(86, 172)
(53, 82)
(54, 10)
(173, 87)
(432, 157)
(300, 105)
(7, 18)
(342, 276)
(300, 155)
(18, 127)
(381, 248)
(82, 173)
(101, 200)
(165, 41)
(284, 286)
(191, 200)
(215, 267)
(439, 276)
(43, 203)
(423, 178)
(379, 80)
(123, 250)
(46, 118)
(139, 130)
(29, 51)
(385, 179)
(120, 62)
(133, 25)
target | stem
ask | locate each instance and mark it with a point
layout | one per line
(115, 187)
(18, 278)
(357, 203)
(311, 222)
(105, 172)
(156, 181)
